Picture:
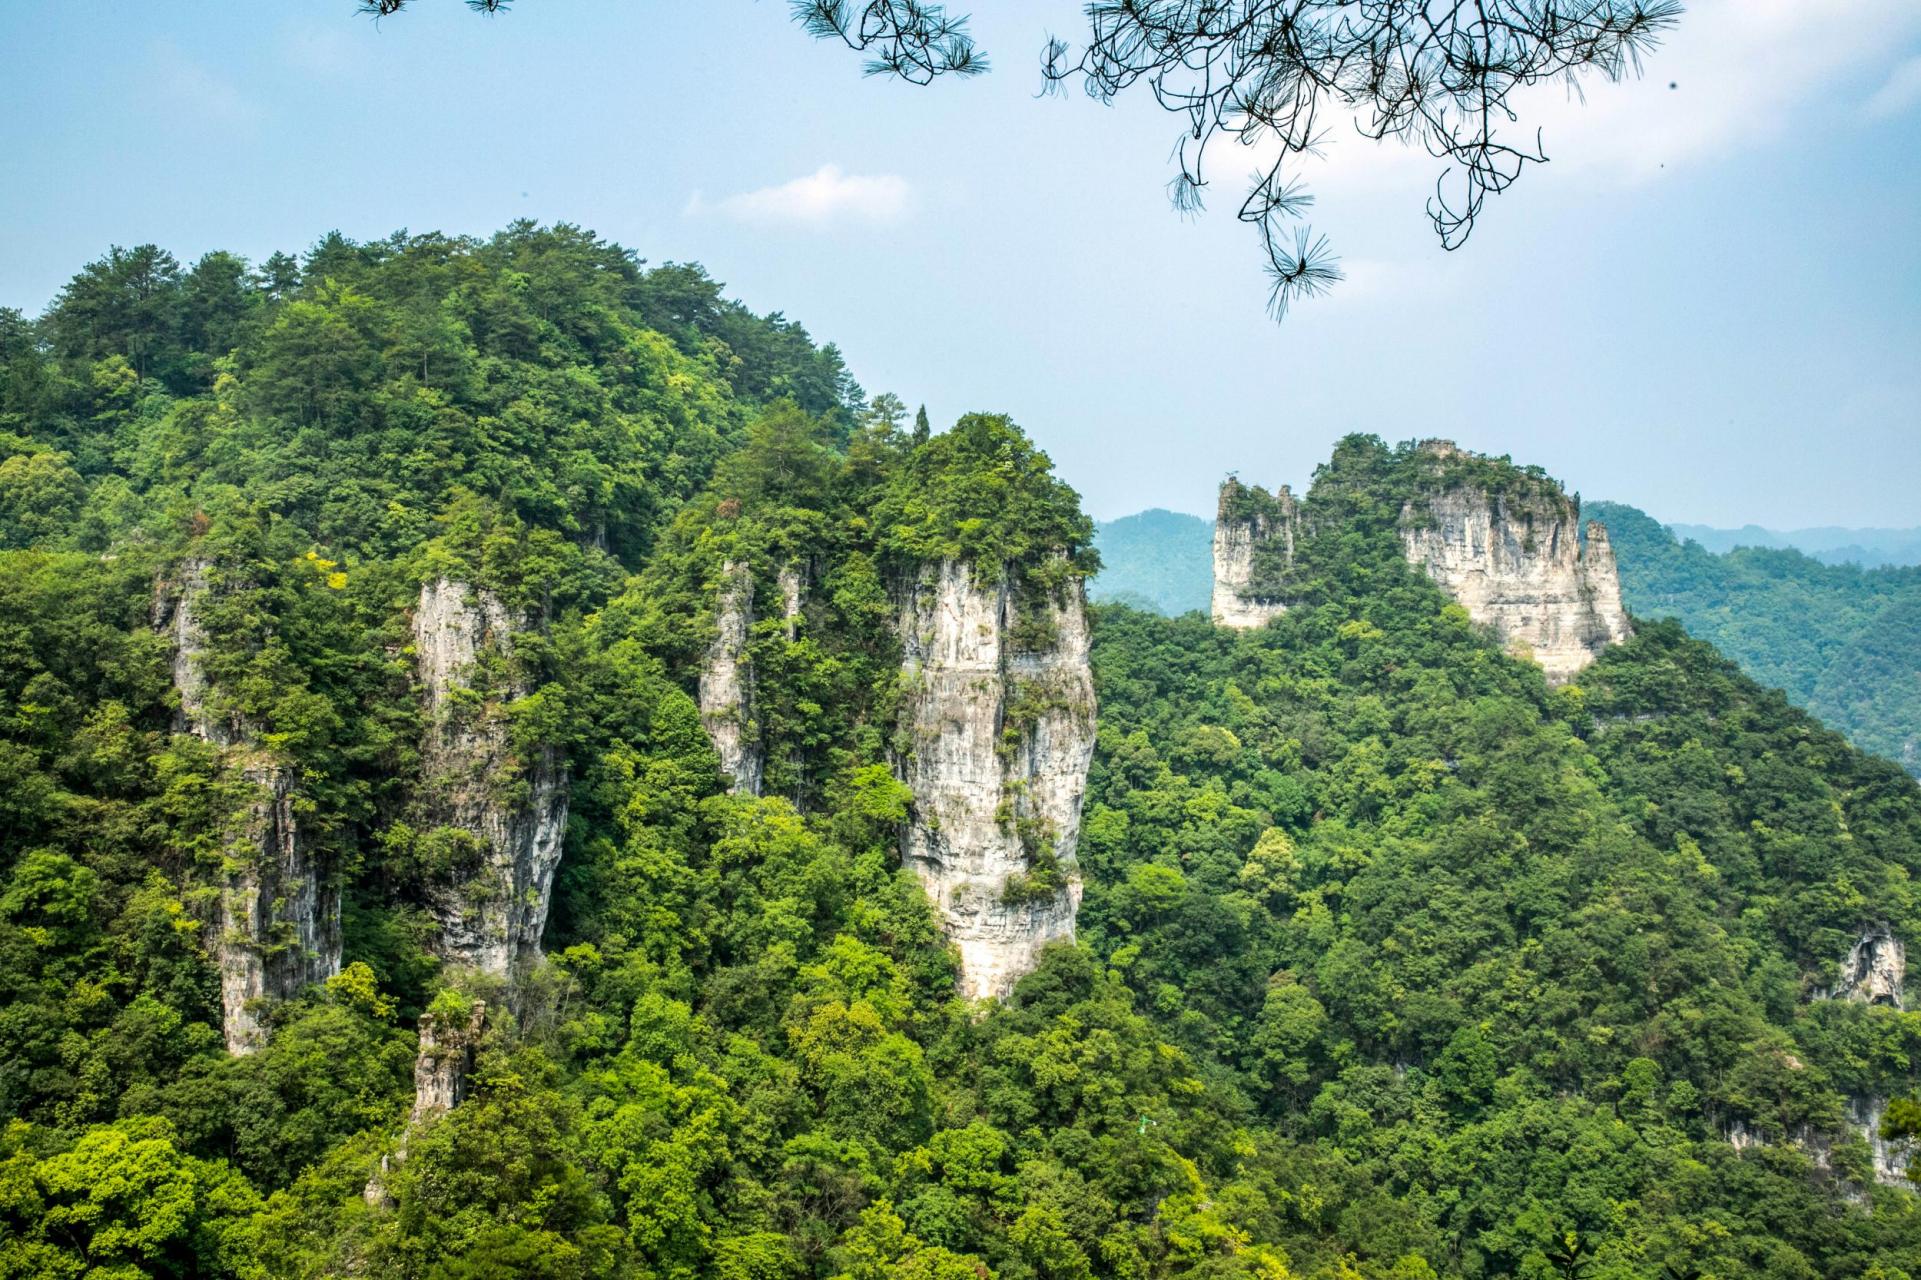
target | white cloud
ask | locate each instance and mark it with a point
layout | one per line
(1742, 71)
(825, 198)
(325, 51)
(1901, 91)
(184, 83)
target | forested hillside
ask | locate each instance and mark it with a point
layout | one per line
(1843, 641)
(1393, 961)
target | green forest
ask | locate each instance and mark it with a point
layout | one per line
(1842, 640)
(1393, 961)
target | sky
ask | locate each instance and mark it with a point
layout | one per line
(1707, 304)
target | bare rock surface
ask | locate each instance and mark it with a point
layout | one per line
(1241, 527)
(727, 681)
(1515, 562)
(492, 904)
(443, 1068)
(445, 1061)
(279, 912)
(1875, 969)
(999, 706)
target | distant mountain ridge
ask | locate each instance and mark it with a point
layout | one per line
(1832, 545)
(1158, 559)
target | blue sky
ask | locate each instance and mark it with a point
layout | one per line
(1708, 304)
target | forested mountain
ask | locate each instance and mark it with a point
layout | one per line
(1154, 560)
(500, 753)
(1843, 641)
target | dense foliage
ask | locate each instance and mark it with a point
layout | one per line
(1395, 963)
(1843, 641)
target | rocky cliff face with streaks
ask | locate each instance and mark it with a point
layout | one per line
(727, 683)
(279, 906)
(443, 1066)
(727, 676)
(1875, 970)
(1248, 520)
(1504, 541)
(1514, 560)
(998, 705)
(502, 814)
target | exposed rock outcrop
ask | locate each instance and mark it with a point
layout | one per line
(445, 1061)
(1514, 561)
(491, 905)
(279, 924)
(727, 681)
(279, 910)
(791, 584)
(177, 605)
(1862, 1114)
(1875, 970)
(443, 1066)
(1891, 1155)
(999, 706)
(1248, 520)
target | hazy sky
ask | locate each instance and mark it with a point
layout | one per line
(1709, 304)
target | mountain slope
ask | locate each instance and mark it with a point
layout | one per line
(1839, 639)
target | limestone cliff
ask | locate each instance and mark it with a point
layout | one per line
(1875, 969)
(443, 1065)
(279, 909)
(727, 682)
(508, 814)
(445, 1061)
(279, 906)
(1873, 972)
(791, 584)
(1891, 1155)
(1248, 520)
(998, 704)
(1513, 558)
(177, 606)
(1862, 1115)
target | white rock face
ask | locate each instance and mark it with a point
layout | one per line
(279, 915)
(1876, 969)
(1862, 1114)
(1516, 565)
(790, 589)
(727, 681)
(176, 614)
(1891, 1156)
(1236, 536)
(279, 906)
(1000, 708)
(492, 909)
